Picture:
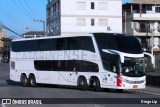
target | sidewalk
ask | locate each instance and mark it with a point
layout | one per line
(149, 90)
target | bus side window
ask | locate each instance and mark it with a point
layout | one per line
(81, 43)
(114, 69)
(59, 43)
(62, 44)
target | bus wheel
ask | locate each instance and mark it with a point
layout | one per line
(83, 83)
(120, 90)
(96, 84)
(106, 89)
(32, 81)
(24, 80)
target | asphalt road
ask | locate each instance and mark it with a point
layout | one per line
(10, 89)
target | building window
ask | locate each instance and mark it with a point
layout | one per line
(81, 22)
(92, 22)
(92, 5)
(102, 5)
(157, 9)
(144, 27)
(158, 27)
(81, 5)
(48, 12)
(103, 22)
(149, 7)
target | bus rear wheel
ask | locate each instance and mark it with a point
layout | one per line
(96, 84)
(32, 81)
(24, 80)
(83, 83)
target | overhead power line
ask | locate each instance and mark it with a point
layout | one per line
(21, 9)
(7, 28)
(30, 9)
(21, 4)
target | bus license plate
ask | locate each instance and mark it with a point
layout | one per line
(135, 86)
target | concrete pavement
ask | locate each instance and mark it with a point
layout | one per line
(148, 90)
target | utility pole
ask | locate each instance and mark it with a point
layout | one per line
(44, 25)
(152, 40)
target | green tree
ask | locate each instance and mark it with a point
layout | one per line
(5, 50)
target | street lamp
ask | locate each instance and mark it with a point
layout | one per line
(44, 25)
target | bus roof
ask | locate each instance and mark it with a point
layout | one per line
(49, 37)
(69, 35)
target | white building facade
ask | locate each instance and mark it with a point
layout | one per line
(84, 16)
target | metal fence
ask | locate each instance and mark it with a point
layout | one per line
(148, 67)
(158, 65)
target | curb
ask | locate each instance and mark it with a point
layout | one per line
(144, 92)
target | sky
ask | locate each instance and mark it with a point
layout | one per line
(18, 14)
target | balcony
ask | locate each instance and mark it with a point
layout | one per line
(146, 32)
(145, 15)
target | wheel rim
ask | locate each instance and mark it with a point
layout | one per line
(32, 82)
(81, 83)
(94, 84)
(24, 80)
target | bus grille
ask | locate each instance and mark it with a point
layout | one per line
(133, 82)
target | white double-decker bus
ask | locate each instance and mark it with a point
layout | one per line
(98, 60)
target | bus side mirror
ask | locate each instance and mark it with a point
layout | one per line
(115, 52)
(151, 56)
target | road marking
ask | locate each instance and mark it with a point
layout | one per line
(97, 105)
(3, 105)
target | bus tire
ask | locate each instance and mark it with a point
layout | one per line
(96, 85)
(83, 83)
(32, 81)
(24, 80)
(120, 90)
(106, 89)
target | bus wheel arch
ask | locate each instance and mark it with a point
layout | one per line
(32, 80)
(24, 80)
(95, 83)
(82, 83)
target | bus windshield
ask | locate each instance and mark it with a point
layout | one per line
(132, 67)
(119, 42)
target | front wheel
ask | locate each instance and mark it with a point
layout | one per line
(120, 90)
(83, 83)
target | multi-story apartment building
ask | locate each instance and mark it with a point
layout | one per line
(83, 16)
(142, 19)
